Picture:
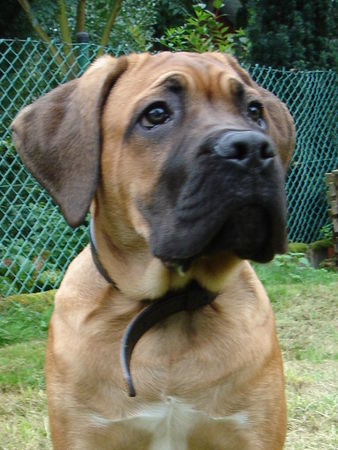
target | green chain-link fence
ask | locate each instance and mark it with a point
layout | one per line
(36, 244)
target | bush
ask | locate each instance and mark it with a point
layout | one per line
(204, 32)
(36, 243)
(297, 35)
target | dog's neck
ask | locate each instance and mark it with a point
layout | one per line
(95, 256)
(190, 298)
(139, 275)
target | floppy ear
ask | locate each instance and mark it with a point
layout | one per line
(58, 137)
(280, 124)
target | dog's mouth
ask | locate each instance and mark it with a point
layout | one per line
(250, 232)
(246, 233)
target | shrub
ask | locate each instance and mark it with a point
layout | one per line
(203, 31)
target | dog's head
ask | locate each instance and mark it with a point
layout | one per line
(182, 153)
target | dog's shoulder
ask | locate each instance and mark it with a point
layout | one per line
(82, 279)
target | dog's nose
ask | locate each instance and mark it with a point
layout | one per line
(246, 148)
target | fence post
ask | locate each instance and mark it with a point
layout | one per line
(332, 184)
(82, 38)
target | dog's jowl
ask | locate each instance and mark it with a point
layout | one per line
(162, 337)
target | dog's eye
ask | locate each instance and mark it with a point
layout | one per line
(155, 114)
(255, 112)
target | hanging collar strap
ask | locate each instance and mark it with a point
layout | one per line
(191, 298)
(95, 256)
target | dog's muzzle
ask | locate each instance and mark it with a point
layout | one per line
(228, 196)
(248, 149)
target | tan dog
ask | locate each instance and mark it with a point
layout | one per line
(180, 156)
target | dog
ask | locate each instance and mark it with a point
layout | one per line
(180, 159)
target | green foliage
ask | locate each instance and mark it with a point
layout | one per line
(326, 238)
(133, 29)
(326, 232)
(292, 33)
(13, 22)
(171, 13)
(321, 244)
(291, 267)
(22, 365)
(292, 261)
(37, 243)
(24, 318)
(202, 32)
(298, 247)
(37, 253)
(137, 23)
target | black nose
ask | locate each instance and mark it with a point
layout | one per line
(246, 148)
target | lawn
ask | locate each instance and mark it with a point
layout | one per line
(305, 303)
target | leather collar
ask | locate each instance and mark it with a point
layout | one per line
(95, 256)
(190, 298)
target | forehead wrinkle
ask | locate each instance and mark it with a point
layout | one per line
(205, 81)
(202, 72)
(194, 67)
(231, 87)
(214, 83)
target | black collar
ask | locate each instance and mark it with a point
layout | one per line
(190, 298)
(95, 256)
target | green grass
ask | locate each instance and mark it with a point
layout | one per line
(20, 365)
(305, 303)
(23, 408)
(25, 317)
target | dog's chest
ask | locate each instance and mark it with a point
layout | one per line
(171, 422)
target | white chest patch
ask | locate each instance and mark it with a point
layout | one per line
(170, 422)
